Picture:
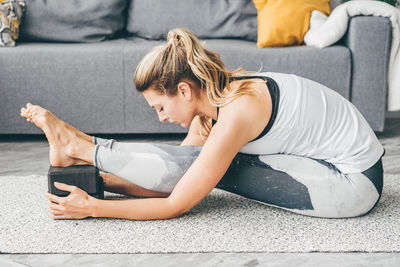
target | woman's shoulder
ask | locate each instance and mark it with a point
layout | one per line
(247, 103)
(252, 112)
(256, 87)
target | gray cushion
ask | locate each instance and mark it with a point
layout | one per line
(79, 83)
(73, 21)
(91, 85)
(152, 19)
(330, 66)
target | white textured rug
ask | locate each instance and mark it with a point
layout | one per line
(222, 222)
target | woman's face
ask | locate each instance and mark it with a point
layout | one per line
(178, 109)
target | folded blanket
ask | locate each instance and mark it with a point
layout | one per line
(325, 31)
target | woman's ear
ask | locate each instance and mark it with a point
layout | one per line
(185, 90)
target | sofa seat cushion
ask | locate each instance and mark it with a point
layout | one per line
(79, 83)
(330, 66)
(90, 85)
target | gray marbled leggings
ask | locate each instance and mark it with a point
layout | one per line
(298, 184)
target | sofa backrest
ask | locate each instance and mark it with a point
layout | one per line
(73, 21)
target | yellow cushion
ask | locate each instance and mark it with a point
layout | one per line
(285, 22)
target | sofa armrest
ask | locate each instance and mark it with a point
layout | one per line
(369, 40)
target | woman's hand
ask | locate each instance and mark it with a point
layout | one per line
(77, 205)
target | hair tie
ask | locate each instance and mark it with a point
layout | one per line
(173, 42)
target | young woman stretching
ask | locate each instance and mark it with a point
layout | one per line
(302, 146)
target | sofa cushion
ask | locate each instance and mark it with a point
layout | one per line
(80, 83)
(282, 23)
(152, 19)
(11, 13)
(90, 85)
(73, 21)
(330, 66)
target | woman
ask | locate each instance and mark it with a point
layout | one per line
(304, 148)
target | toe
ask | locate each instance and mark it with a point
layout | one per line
(34, 114)
(29, 106)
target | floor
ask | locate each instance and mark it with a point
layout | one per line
(28, 154)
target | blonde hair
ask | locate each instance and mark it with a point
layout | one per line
(184, 57)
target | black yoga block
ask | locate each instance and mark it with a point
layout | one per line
(86, 177)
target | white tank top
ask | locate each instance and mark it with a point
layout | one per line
(317, 122)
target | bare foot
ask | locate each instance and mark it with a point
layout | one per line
(59, 134)
(80, 134)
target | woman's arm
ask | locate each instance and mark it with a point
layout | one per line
(197, 182)
(135, 209)
(224, 142)
(115, 184)
(236, 126)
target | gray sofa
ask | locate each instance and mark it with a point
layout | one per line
(90, 84)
